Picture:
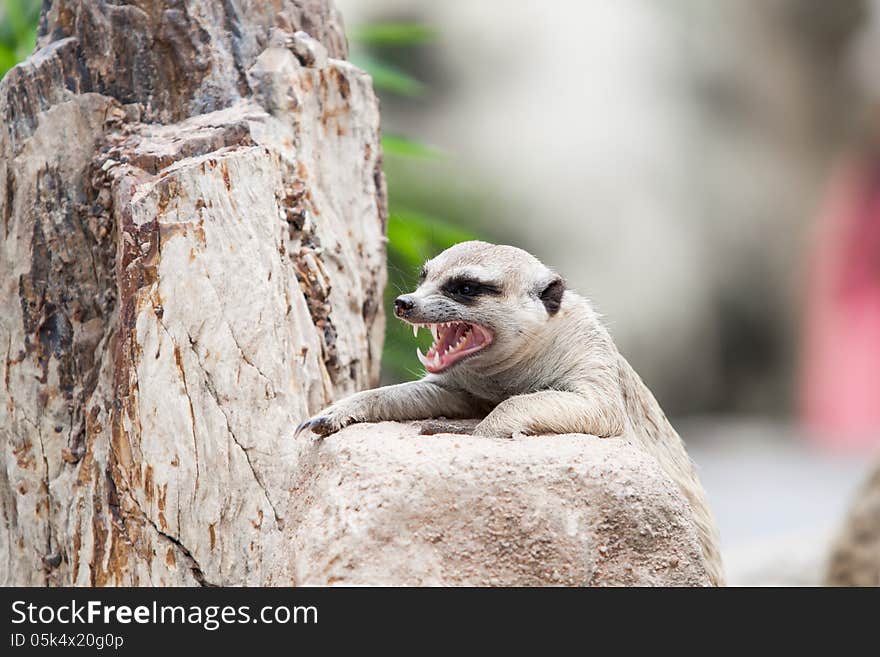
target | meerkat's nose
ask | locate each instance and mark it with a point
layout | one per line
(403, 304)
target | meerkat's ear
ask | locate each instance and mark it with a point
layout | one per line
(551, 295)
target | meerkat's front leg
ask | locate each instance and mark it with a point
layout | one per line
(553, 411)
(416, 400)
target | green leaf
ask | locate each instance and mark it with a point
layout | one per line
(7, 59)
(26, 44)
(441, 232)
(18, 31)
(388, 78)
(16, 15)
(413, 237)
(404, 147)
(393, 34)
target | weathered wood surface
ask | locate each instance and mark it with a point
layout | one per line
(192, 206)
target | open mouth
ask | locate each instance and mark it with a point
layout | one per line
(453, 341)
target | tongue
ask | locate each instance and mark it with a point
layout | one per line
(451, 338)
(446, 349)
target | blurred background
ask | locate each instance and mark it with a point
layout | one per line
(707, 173)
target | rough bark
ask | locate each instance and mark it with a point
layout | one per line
(191, 206)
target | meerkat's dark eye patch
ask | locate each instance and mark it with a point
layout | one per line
(466, 290)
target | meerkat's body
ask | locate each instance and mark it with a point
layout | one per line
(516, 348)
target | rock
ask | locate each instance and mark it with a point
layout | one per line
(192, 259)
(854, 559)
(382, 505)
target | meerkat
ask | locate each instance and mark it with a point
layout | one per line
(513, 346)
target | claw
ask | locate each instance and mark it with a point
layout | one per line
(320, 425)
(302, 427)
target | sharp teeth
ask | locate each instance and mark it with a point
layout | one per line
(436, 361)
(415, 330)
(422, 358)
(434, 330)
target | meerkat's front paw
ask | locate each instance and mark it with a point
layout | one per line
(325, 423)
(494, 430)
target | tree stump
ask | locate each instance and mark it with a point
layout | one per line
(193, 259)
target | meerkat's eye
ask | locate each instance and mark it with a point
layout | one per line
(465, 289)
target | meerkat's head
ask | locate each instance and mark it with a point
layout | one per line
(483, 303)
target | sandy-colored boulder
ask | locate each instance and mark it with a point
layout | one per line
(380, 504)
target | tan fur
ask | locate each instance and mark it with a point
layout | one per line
(855, 556)
(545, 372)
